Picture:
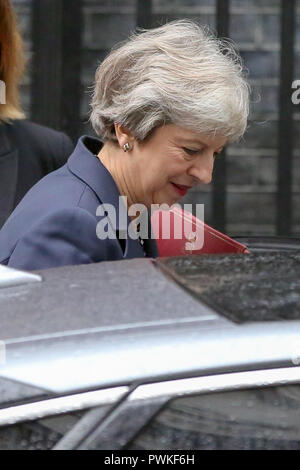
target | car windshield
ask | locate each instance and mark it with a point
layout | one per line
(260, 286)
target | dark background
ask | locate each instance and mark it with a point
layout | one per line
(257, 185)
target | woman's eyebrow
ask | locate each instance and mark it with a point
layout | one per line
(193, 141)
(187, 141)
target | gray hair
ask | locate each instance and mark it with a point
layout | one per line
(179, 73)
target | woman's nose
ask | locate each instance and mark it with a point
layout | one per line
(203, 170)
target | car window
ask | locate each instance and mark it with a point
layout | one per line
(267, 418)
(42, 434)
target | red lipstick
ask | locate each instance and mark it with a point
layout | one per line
(181, 189)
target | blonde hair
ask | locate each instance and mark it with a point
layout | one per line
(179, 73)
(12, 62)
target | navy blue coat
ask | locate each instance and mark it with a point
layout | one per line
(55, 223)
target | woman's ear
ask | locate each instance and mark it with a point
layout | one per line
(123, 135)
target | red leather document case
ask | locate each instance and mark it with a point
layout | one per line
(178, 233)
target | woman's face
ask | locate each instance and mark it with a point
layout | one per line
(171, 162)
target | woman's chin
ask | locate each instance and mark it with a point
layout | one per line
(167, 197)
(167, 201)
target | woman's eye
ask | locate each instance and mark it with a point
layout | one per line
(190, 151)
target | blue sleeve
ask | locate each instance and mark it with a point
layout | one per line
(65, 237)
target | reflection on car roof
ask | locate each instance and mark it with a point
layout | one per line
(106, 294)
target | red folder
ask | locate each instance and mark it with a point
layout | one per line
(178, 233)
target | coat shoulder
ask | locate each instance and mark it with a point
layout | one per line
(44, 137)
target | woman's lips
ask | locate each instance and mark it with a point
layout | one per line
(181, 189)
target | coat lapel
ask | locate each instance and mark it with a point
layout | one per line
(8, 175)
(89, 168)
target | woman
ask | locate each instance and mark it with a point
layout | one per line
(165, 103)
(27, 151)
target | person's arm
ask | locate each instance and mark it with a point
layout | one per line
(65, 237)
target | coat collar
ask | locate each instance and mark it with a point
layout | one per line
(84, 164)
